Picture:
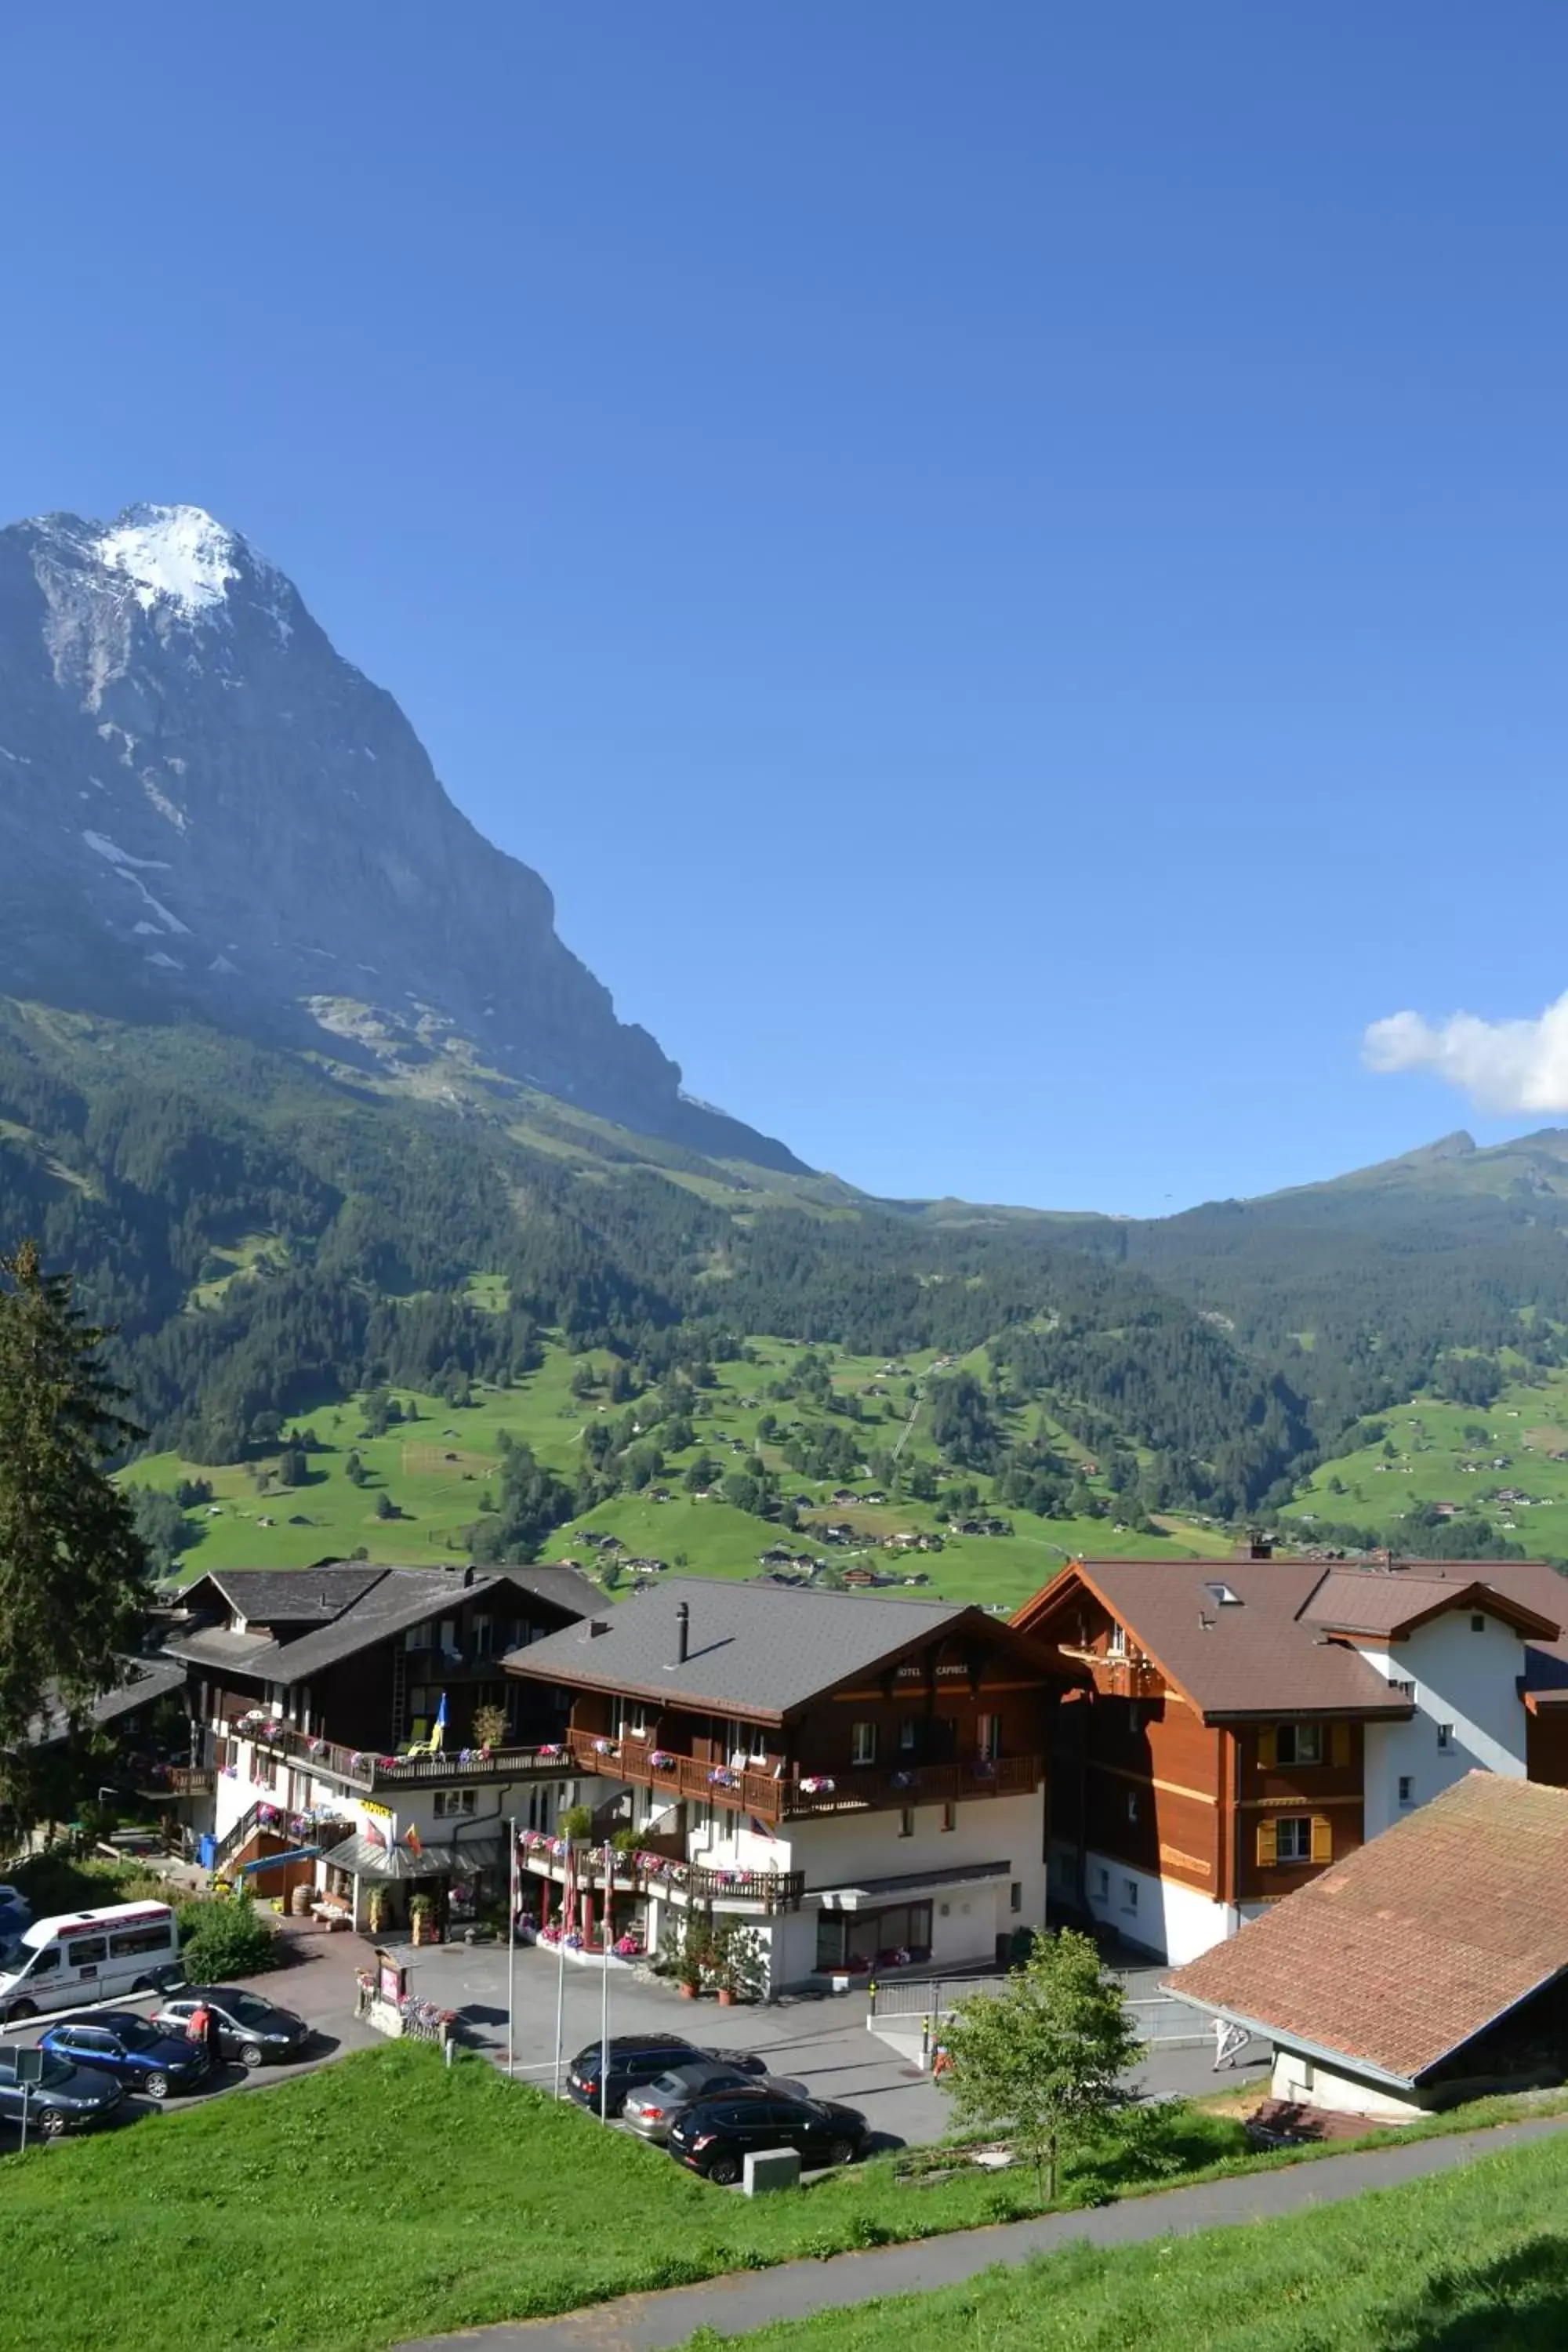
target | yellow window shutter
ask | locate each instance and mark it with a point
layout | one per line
(1323, 1838)
(1341, 1747)
(1267, 1843)
(1267, 1743)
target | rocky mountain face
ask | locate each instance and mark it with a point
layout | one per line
(204, 811)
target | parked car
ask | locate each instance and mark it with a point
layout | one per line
(243, 2025)
(651, 2110)
(636, 2059)
(142, 2055)
(15, 1911)
(715, 2137)
(60, 2096)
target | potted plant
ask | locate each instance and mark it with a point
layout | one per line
(737, 1963)
(376, 1910)
(422, 1912)
(686, 1945)
(574, 1823)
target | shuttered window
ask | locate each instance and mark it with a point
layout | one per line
(1295, 1838)
(1268, 1745)
(1342, 1745)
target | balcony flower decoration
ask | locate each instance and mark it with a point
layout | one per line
(722, 1776)
(549, 1935)
(984, 1769)
(551, 1749)
(903, 1780)
(358, 1761)
(661, 1760)
(626, 1947)
(817, 1784)
(606, 1747)
(315, 1744)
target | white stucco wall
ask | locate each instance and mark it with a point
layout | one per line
(1304, 2082)
(1463, 1678)
(1173, 1921)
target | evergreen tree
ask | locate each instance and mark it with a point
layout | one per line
(73, 1571)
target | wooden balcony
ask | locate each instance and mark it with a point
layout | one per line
(1118, 1674)
(773, 1798)
(362, 1769)
(764, 1892)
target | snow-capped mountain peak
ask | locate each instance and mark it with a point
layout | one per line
(178, 553)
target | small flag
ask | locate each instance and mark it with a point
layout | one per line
(411, 1840)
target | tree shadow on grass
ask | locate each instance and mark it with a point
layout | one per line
(1517, 2304)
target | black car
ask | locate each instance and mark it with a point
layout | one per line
(143, 2056)
(715, 2137)
(244, 2026)
(636, 2059)
(58, 2096)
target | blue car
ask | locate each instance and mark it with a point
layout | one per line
(140, 2055)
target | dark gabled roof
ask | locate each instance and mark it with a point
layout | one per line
(376, 1605)
(757, 1650)
(298, 1596)
(1388, 1603)
(1397, 1956)
(146, 1679)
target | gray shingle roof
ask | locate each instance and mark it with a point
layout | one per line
(147, 1679)
(393, 1600)
(753, 1649)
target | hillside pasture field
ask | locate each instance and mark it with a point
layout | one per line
(1457, 1454)
(440, 1470)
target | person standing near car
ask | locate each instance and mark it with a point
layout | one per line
(199, 2029)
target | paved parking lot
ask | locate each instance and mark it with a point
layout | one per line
(822, 2042)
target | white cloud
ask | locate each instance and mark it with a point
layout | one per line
(1503, 1066)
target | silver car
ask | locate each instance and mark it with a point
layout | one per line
(653, 2108)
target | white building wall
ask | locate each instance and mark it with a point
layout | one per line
(1175, 1922)
(1304, 2082)
(1463, 1678)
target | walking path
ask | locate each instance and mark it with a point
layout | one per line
(748, 2299)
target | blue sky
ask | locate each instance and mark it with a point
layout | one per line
(1006, 564)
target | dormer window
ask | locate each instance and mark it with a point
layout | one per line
(1117, 1645)
(1223, 1595)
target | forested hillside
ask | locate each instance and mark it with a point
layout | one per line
(275, 1231)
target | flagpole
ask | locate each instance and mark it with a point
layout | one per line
(605, 1991)
(511, 1947)
(560, 1998)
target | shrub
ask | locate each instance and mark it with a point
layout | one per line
(229, 1939)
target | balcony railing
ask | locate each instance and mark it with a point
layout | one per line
(643, 1873)
(773, 1798)
(363, 1769)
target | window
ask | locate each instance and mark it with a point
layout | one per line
(1406, 1788)
(453, 1804)
(1015, 1895)
(449, 1635)
(1102, 1883)
(988, 1737)
(482, 1633)
(1117, 1645)
(417, 1637)
(1129, 1895)
(90, 1951)
(130, 1940)
(1299, 1743)
(1224, 1594)
(1445, 1738)
(906, 1822)
(950, 1816)
(1132, 1804)
(1308, 2075)
(1293, 1839)
(860, 1940)
(863, 1743)
(1478, 1625)
(907, 1736)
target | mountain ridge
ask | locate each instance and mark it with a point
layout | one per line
(204, 808)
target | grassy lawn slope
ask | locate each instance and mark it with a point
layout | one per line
(1470, 2260)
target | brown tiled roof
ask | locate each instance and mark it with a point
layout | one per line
(1397, 1956)
(1270, 1653)
(1251, 1658)
(1386, 1601)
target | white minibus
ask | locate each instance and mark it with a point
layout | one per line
(86, 1955)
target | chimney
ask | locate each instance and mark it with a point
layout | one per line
(682, 1633)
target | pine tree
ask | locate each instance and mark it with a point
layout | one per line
(73, 1571)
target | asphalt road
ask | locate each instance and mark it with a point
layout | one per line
(750, 2299)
